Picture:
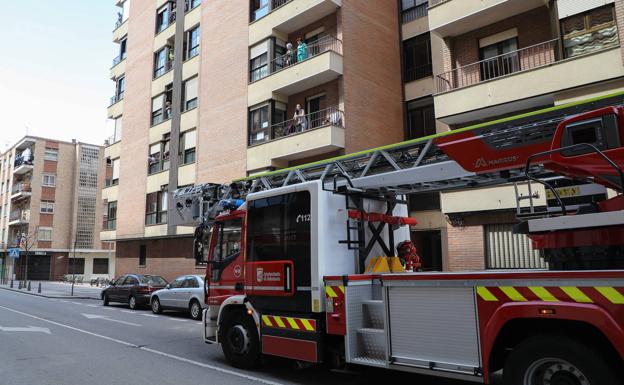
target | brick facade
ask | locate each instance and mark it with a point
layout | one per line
(466, 246)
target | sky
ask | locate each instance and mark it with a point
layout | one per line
(55, 69)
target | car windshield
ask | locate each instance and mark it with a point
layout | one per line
(153, 280)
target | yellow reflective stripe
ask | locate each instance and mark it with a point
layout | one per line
(576, 294)
(543, 294)
(341, 288)
(485, 294)
(307, 324)
(278, 321)
(292, 323)
(330, 292)
(513, 294)
(611, 294)
(266, 320)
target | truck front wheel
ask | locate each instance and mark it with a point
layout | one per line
(556, 360)
(239, 340)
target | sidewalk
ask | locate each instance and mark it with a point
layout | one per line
(52, 289)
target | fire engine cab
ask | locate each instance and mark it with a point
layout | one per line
(301, 263)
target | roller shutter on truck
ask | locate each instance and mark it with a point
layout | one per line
(506, 250)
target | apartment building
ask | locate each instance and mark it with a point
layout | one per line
(50, 208)
(213, 91)
(207, 92)
(471, 61)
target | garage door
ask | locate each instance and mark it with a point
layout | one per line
(506, 250)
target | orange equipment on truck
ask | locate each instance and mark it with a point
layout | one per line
(287, 253)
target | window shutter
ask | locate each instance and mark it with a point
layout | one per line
(190, 89)
(190, 140)
(157, 102)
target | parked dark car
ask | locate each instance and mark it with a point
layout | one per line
(133, 289)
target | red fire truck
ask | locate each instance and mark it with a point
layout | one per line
(289, 256)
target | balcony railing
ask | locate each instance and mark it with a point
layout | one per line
(262, 12)
(20, 160)
(118, 23)
(116, 98)
(22, 187)
(110, 224)
(414, 13)
(160, 71)
(118, 59)
(331, 116)
(324, 44)
(19, 215)
(418, 72)
(524, 59)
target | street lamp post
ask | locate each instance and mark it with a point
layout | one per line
(74, 267)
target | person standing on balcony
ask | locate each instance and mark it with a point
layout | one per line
(300, 119)
(290, 54)
(302, 50)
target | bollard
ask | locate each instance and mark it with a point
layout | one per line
(19, 286)
(28, 285)
(11, 284)
(39, 288)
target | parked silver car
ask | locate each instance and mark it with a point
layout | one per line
(185, 293)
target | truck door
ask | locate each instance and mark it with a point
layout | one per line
(225, 259)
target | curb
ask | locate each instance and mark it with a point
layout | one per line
(48, 296)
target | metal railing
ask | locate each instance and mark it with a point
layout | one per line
(116, 98)
(118, 59)
(524, 59)
(262, 12)
(329, 116)
(418, 72)
(20, 161)
(414, 13)
(110, 224)
(324, 44)
(21, 187)
(160, 71)
(118, 23)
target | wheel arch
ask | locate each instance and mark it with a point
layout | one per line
(587, 325)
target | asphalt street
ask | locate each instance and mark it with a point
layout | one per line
(52, 341)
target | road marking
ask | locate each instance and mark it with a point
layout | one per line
(93, 305)
(105, 317)
(77, 303)
(178, 319)
(150, 315)
(128, 311)
(27, 329)
(157, 352)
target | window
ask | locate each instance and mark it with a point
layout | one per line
(118, 129)
(158, 105)
(190, 94)
(47, 207)
(193, 4)
(122, 48)
(192, 282)
(76, 266)
(49, 180)
(413, 9)
(417, 58)
(590, 31)
(192, 43)
(259, 125)
(162, 64)
(120, 88)
(158, 159)
(142, 256)
(44, 234)
(130, 279)
(100, 265)
(177, 283)
(499, 59)
(420, 119)
(51, 154)
(259, 9)
(315, 107)
(115, 179)
(156, 207)
(111, 216)
(259, 62)
(163, 17)
(188, 142)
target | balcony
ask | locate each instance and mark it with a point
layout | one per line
(119, 67)
(287, 74)
(315, 134)
(287, 16)
(23, 165)
(526, 76)
(21, 190)
(19, 217)
(116, 105)
(455, 17)
(121, 30)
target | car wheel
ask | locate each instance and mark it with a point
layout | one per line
(105, 301)
(553, 359)
(132, 302)
(156, 309)
(195, 309)
(239, 340)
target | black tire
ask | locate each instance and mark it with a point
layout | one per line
(155, 305)
(132, 302)
(239, 340)
(195, 310)
(554, 359)
(105, 300)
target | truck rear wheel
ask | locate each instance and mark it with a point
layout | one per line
(556, 360)
(239, 340)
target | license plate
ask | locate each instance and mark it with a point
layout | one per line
(564, 192)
